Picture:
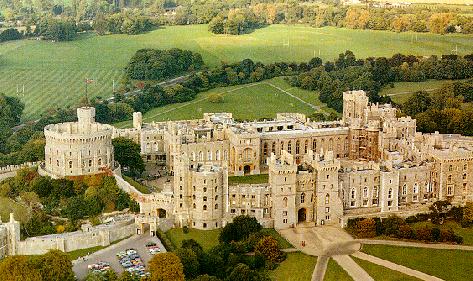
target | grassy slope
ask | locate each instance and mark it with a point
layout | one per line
(141, 188)
(296, 267)
(381, 273)
(449, 265)
(249, 102)
(335, 272)
(7, 206)
(53, 73)
(263, 178)
(206, 238)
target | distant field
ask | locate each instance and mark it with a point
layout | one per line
(403, 90)
(53, 74)
(249, 102)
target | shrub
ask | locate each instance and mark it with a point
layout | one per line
(239, 229)
(366, 228)
(435, 233)
(185, 229)
(406, 232)
(447, 235)
(392, 225)
(216, 98)
(268, 247)
(165, 240)
(424, 233)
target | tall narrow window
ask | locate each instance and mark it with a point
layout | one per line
(302, 198)
(327, 199)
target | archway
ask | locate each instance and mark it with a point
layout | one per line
(161, 213)
(302, 215)
(247, 169)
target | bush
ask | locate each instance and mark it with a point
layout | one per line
(216, 98)
(424, 234)
(185, 229)
(165, 240)
(239, 229)
(406, 232)
(392, 225)
(268, 247)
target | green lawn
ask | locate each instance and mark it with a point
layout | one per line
(140, 187)
(403, 90)
(452, 265)
(53, 73)
(261, 178)
(381, 273)
(7, 206)
(282, 242)
(206, 238)
(246, 102)
(296, 267)
(335, 272)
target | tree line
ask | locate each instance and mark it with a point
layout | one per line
(448, 110)
(406, 228)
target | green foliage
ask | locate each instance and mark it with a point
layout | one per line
(239, 229)
(190, 261)
(127, 153)
(126, 23)
(57, 29)
(216, 98)
(166, 267)
(10, 34)
(152, 64)
(52, 266)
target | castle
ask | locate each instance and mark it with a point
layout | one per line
(369, 163)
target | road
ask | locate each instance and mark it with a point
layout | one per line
(108, 254)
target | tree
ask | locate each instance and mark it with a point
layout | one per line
(239, 229)
(468, 213)
(127, 153)
(55, 265)
(216, 98)
(417, 103)
(269, 248)
(14, 268)
(189, 261)
(166, 267)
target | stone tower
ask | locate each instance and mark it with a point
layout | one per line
(354, 105)
(329, 206)
(282, 179)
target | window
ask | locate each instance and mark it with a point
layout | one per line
(327, 198)
(201, 156)
(70, 164)
(216, 197)
(90, 163)
(450, 178)
(205, 208)
(217, 155)
(284, 213)
(416, 188)
(450, 168)
(353, 193)
(209, 155)
(216, 206)
(314, 145)
(205, 199)
(265, 149)
(289, 147)
(204, 225)
(193, 196)
(99, 162)
(205, 189)
(390, 193)
(404, 189)
(298, 147)
(193, 206)
(193, 156)
(450, 190)
(284, 221)
(302, 198)
(365, 191)
(306, 146)
(465, 167)
(284, 202)
(375, 191)
(464, 176)
(327, 209)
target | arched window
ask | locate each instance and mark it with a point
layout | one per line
(327, 198)
(70, 164)
(465, 167)
(450, 178)
(205, 189)
(314, 145)
(306, 146)
(225, 155)
(247, 154)
(302, 198)
(404, 189)
(289, 147)
(265, 149)
(193, 205)
(205, 198)
(216, 197)
(365, 191)
(90, 162)
(99, 162)
(450, 168)
(193, 196)
(273, 147)
(205, 207)
(284, 202)
(464, 176)
(416, 188)
(375, 191)
(201, 156)
(298, 147)
(217, 155)
(193, 156)
(390, 193)
(209, 155)
(216, 206)
(353, 193)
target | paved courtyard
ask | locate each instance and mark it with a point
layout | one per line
(137, 242)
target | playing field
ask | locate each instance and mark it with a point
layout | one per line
(49, 75)
(246, 102)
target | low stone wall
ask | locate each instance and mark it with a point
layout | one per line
(101, 235)
(10, 170)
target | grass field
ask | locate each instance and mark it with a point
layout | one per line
(53, 73)
(7, 206)
(381, 273)
(262, 178)
(296, 267)
(206, 238)
(403, 90)
(335, 272)
(452, 265)
(248, 102)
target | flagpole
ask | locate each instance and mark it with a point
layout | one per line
(86, 94)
